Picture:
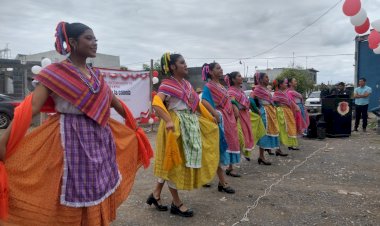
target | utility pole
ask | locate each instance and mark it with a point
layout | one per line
(150, 92)
(306, 63)
(293, 59)
(5, 53)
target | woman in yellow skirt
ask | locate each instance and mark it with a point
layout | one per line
(187, 151)
(285, 117)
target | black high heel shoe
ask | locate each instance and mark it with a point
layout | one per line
(176, 210)
(281, 154)
(269, 151)
(230, 173)
(259, 160)
(293, 148)
(152, 200)
(226, 189)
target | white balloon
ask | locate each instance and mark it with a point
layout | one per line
(359, 18)
(155, 80)
(376, 25)
(45, 62)
(151, 121)
(377, 50)
(36, 69)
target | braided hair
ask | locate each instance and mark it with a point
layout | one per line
(258, 77)
(290, 80)
(229, 78)
(280, 81)
(168, 59)
(206, 68)
(64, 32)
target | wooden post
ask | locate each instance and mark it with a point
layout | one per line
(151, 90)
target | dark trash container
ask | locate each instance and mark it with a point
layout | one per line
(317, 126)
(337, 113)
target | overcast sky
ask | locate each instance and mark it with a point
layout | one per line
(139, 30)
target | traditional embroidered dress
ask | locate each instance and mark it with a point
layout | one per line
(78, 158)
(196, 136)
(302, 117)
(217, 96)
(257, 125)
(286, 120)
(244, 126)
(269, 117)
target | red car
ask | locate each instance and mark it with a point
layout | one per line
(7, 106)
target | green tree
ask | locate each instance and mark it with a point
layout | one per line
(305, 84)
(156, 66)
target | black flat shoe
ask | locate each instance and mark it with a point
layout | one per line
(206, 185)
(152, 200)
(269, 151)
(248, 159)
(281, 154)
(230, 173)
(226, 189)
(293, 148)
(176, 210)
(259, 160)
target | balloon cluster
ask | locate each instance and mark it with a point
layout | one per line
(155, 79)
(44, 62)
(358, 18)
(153, 118)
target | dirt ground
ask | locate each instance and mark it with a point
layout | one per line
(338, 185)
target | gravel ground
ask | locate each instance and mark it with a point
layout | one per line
(338, 185)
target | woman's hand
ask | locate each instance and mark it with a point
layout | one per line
(236, 112)
(216, 119)
(216, 116)
(170, 126)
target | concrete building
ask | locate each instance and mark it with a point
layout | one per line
(275, 72)
(101, 60)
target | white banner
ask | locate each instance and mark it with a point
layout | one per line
(132, 87)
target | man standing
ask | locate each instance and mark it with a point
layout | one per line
(361, 95)
(341, 90)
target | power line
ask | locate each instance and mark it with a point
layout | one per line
(283, 42)
(269, 50)
(270, 58)
(298, 32)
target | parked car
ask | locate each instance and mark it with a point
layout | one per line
(313, 103)
(7, 106)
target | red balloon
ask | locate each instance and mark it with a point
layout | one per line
(374, 39)
(155, 73)
(351, 7)
(363, 28)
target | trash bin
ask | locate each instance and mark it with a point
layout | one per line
(312, 129)
(317, 126)
(337, 113)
